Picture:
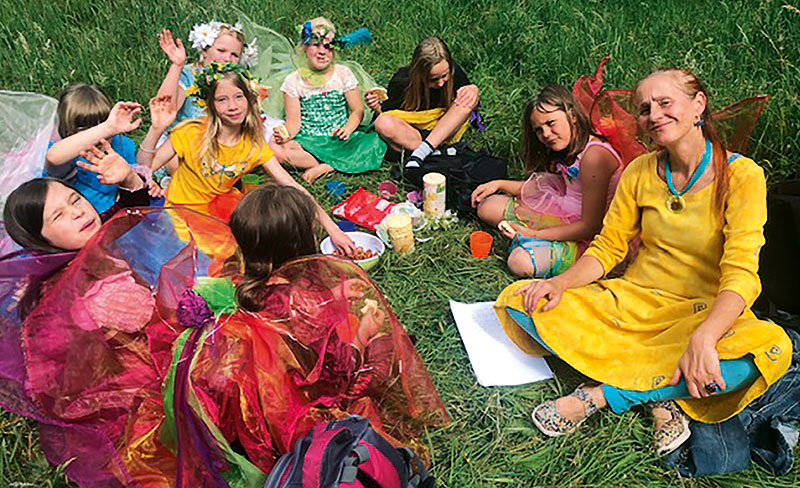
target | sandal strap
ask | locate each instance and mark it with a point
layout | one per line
(589, 406)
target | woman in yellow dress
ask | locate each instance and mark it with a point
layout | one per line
(678, 324)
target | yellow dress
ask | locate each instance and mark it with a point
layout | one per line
(207, 186)
(427, 120)
(196, 183)
(630, 332)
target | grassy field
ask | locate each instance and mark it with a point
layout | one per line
(509, 49)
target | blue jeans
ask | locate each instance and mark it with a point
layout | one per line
(737, 373)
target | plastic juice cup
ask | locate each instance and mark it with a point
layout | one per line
(401, 233)
(480, 243)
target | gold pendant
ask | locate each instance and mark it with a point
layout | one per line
(675, 204)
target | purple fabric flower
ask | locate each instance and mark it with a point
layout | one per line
(414, 197)
(476, 119)
(193, 310)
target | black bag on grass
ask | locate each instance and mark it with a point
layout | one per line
(464, 169)
(779, 265)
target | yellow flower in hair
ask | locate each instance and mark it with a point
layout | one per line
(192, 91)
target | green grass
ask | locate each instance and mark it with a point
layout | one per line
(509, 49)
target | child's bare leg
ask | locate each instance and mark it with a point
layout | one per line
(397, 133)
(535, 263)
(448, 125)
(492, 210)
(315, 172)
(295, 155)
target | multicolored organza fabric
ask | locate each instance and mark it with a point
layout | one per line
(129, 392)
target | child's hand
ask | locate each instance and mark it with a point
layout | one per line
(111, 168)
(341, 133)
(162, 111)
(343, 243)
(173, 49)
(373, 102)
(523, 231)
(281, 136)
(483, 191)
(123, 117)
(467, 96)
(155, 190)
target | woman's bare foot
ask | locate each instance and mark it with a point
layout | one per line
(312, 174)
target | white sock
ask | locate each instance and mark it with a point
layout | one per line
(421, 152)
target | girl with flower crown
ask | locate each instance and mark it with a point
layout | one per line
(216, 42)
(216, 150)
(323, 111)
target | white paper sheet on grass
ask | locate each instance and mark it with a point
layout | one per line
(495, 359)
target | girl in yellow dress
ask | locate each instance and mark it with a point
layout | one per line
(677, 325)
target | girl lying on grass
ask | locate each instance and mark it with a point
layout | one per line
(155, 367)
(572, 174)
(216, 150)
(677, 325)
(323, 111)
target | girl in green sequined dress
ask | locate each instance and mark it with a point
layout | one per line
(323, 112)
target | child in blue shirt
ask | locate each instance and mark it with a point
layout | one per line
(85, 117)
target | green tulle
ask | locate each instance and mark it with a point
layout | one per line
(219, 294)
(278, 57)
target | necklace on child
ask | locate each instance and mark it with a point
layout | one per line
(675, 201)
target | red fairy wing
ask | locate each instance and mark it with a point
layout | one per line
(587, 87)
(735, 123)
(612, 117)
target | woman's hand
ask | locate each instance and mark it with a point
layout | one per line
(538, 289)
(123, 118)
(162, 112)
(343, 243)
(172, 48)
(699, 366)
(485, 190)
(111, 168)
(373, 102)
(342, 133)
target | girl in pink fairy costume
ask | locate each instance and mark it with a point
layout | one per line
(573, 172)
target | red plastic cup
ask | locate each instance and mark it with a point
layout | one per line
(480, 243)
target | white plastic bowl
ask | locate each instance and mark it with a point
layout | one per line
(364, 241)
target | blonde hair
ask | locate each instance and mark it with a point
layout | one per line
(81, 106)
(428, 53)
(690, 84)
(225, 30)
(251, 129)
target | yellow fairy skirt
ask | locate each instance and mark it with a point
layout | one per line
(632, 337)
(427, 120)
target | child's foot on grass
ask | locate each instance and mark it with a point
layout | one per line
(312, 174)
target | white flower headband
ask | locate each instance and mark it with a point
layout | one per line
(203, 36)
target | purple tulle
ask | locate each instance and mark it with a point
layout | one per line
(193, 310)
(476, 119)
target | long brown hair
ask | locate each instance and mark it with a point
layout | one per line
(534, 154)
(252, 129)
(272, 224)
(428, 53)
(690, 84)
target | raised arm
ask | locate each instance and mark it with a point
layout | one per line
(122, 118)
(177, 57)
(162, 114)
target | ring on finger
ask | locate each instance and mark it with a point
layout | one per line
(712, 388)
